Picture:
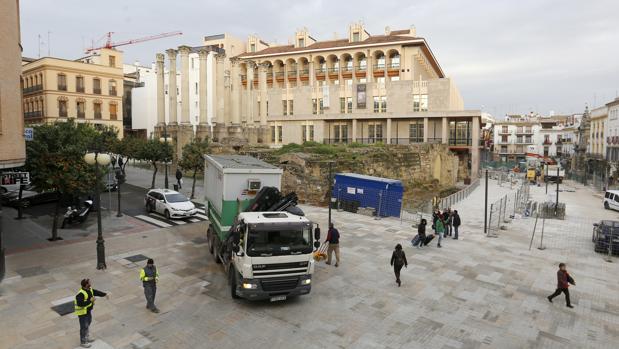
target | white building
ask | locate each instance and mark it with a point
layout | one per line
(612, 131)
(144, 99)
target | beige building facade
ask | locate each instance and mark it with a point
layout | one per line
(12, 142)
(597, 132)
(86, 90)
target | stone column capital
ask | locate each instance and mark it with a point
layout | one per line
(263, 67)
(171, 53)
(184, 50)
(220, 57)
(160, 57)
(203, 53)
(235, 61)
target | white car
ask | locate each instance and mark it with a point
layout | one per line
(611, 200)
(170, 203)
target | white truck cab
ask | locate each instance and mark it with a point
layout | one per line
(272, 256)
(611, 200)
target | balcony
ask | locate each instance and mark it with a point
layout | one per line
(62, 87)
(33, 114)
(96, 91)
(292, 75)
(504, 132)
(79, 89)
(500, 141)
(279, 76)
(347, 72)
(361, 68)
(81, 115)
(334, 72)
(114, 116)
(524, 141)
(113, 91)
(393, 69)
(304, 74)
(32, 89)
(547, 142)
(524, 131)
(244, 80)
(460, 142)
(98, 115)
(394, 66)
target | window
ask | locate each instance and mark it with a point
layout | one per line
(380, 62)
(97, 108)
(113, 113)
(395, 61)
(252, 48)
(259, 111)
(301, 42)
(311, 133)
(314, 106)
(342, 105)
(349, 104)
(307, 133)
(415, 132)
(380, 104)
(285, 107)
(344, 130)
(375, 133)
(290, 107)
(197, 89)
(519, 139)
(355, 36)
(112, 61)
(380, 80)
(363, 64)
(321, 107)
(349, 82)
(420, 102)
(267, 108)
(279, 134)
(79, 84)
(336, 132)
(304, 133)
(62, 109)
(376, 104)
(81, 110)
(62, 82)
(460, 132)
(96, 86)
(273, 134)
(112, 88)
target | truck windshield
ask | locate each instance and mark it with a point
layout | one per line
(280, 242)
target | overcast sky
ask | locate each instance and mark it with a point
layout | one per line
(505, 56)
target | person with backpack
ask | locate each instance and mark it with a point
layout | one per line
(440, 229)
(448, 220)
(456, 224)
(333, 238)
(398, 260)
(563, 282)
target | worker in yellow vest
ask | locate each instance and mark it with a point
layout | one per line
(83, 304)
(150, 276)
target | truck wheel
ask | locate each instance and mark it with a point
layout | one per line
(232, 279)
(606, 205)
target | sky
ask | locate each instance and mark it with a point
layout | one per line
(505, 56)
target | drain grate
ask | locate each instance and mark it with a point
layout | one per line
(136, 258)
(64, 308)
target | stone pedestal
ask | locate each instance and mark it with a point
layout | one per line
(185, 135)
(235, 132)
(220, 132)
(204, 132)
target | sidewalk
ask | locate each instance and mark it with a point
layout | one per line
(472, 293)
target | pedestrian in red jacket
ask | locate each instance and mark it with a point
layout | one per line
(563, 282)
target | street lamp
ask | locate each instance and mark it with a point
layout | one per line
(98, 159)
(164, 140)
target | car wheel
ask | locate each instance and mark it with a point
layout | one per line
(233, 283)
(166, 214)
(606, 205)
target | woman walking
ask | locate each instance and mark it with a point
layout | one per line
(440, 229)
(421, 232)
(398, 260)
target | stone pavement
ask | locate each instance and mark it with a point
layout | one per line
(477, 292)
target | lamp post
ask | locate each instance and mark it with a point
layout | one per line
(99, 159)
(164, 140)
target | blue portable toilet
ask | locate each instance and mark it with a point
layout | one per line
(353, 190)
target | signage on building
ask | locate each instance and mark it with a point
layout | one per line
(361, 96)
(29, 133)
(9, 178)
(325, 96)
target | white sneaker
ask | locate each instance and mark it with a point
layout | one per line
(85, 345)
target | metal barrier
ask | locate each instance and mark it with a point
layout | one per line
(507, 208)
(458, 196)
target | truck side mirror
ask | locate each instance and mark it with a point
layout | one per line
(317, 233)
(236, 248)
(316, 244)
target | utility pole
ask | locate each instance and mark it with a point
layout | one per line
(557, 202)
(486, 206)
(330, 189)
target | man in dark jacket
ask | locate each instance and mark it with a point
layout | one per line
(421, 232)
(150, 276)
(179, 178)
(333, 238)
(83, 304)
(456, 223)
(398, 260)
(563, 282)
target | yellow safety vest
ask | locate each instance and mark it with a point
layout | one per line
(143, 276)
(82, 310)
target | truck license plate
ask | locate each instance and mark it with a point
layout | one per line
(278, 298)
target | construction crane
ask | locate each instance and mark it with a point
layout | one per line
(110, 44)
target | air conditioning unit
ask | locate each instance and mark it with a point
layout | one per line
(254, 184)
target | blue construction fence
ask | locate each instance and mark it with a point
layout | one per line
(373, 196)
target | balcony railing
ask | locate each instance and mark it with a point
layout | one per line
(360, 68)
(96, 91)
(113, 116)
(372, 140)
(380, 66)
(304, 72)
(97, 115)
(33, 114)
(347, 69)
(113, 91)
(63, 113)
(79, 89)
(321, 71)
(62, 87)
(32, 89)
(81, 115)
(504, 132)
(243, 77)
(503, 142)
(279, 74)
(406, 141)
(394, 66)
(524, 131)
(524, 141)
(547, 142)
(337, 140)
(460, 141)
(334, 70)
(292, 74)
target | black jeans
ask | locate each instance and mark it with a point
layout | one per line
(558, 292)
(396, 270)
(456, 231)
(149, 293)
(85, 321)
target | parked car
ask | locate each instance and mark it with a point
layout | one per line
(606, 237)
(170, 203)
(30, 196)
(611, 199)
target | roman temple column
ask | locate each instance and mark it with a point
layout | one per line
(185, 100)
(172, 105)
(160, 90)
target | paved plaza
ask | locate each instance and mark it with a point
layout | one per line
(476, 292)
